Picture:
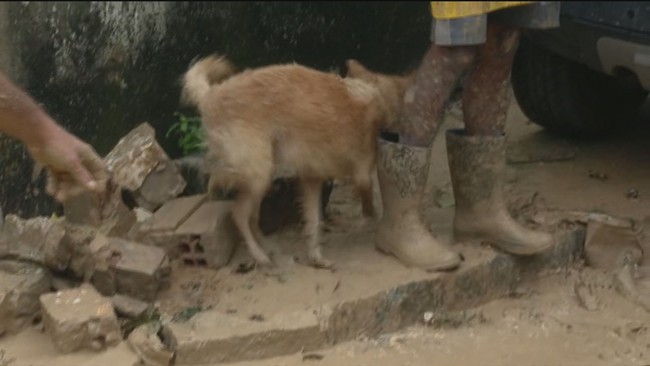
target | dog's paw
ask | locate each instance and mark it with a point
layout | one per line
(321, 263)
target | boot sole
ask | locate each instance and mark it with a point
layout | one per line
(447, 266)
(505, 246)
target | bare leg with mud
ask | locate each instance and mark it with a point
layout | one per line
(477, 155)
(404, 164)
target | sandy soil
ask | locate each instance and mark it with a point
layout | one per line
(544, 325)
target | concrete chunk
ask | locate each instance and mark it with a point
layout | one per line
(37, 240)
(21, 285)
(80, 318)
(133, 269)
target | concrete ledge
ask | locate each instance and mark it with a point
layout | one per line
(215, 336)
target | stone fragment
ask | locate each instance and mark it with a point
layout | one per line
(37, 240)
(80, 319)
(21, 285)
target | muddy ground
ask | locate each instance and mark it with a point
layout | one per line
(542, 325)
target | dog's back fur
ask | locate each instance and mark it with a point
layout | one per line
(289, 121)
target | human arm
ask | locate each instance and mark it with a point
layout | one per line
(71, 163)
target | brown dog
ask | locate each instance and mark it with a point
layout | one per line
(290, 121)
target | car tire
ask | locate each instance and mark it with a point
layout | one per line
(568, 98)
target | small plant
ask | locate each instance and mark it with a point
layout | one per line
(191, 135)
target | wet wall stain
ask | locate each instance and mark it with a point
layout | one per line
(101, 68)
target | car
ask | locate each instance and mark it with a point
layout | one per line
(589, 76)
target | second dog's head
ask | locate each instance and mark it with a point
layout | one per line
(391, 89)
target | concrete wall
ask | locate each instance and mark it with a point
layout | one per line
(100, 68)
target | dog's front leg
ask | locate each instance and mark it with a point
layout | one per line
(311, 196)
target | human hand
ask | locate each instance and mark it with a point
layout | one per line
(72, 165)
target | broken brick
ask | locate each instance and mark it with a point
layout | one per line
(208, 237)
(107, 213)
(131, 268)
(80, 318)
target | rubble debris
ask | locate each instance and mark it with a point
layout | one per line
(21, 285)
(128, 306)
(38, 240)
(186, 314)
(312, 357)
(597, 175)
(130, 268)
(540, 148)
(144, 341)
(585, 295)
(626, 283)
(632, 194)
(257, 318)
(607, 246)
(453, 319)
(245, 267)
(80, 319)
(141, 166)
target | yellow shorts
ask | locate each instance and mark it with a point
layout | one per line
(457, 23)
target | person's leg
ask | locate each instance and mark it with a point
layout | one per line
(403, 163)
(477, 155)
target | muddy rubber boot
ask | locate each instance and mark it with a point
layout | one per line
(477, 166)
(402, 172)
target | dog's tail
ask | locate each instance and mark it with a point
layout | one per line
(202, 75)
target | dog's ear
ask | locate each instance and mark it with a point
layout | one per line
(355, 68)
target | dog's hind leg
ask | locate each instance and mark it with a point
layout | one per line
(311, 197)
(248, 200)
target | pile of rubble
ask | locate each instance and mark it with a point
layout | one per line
(103, 261)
